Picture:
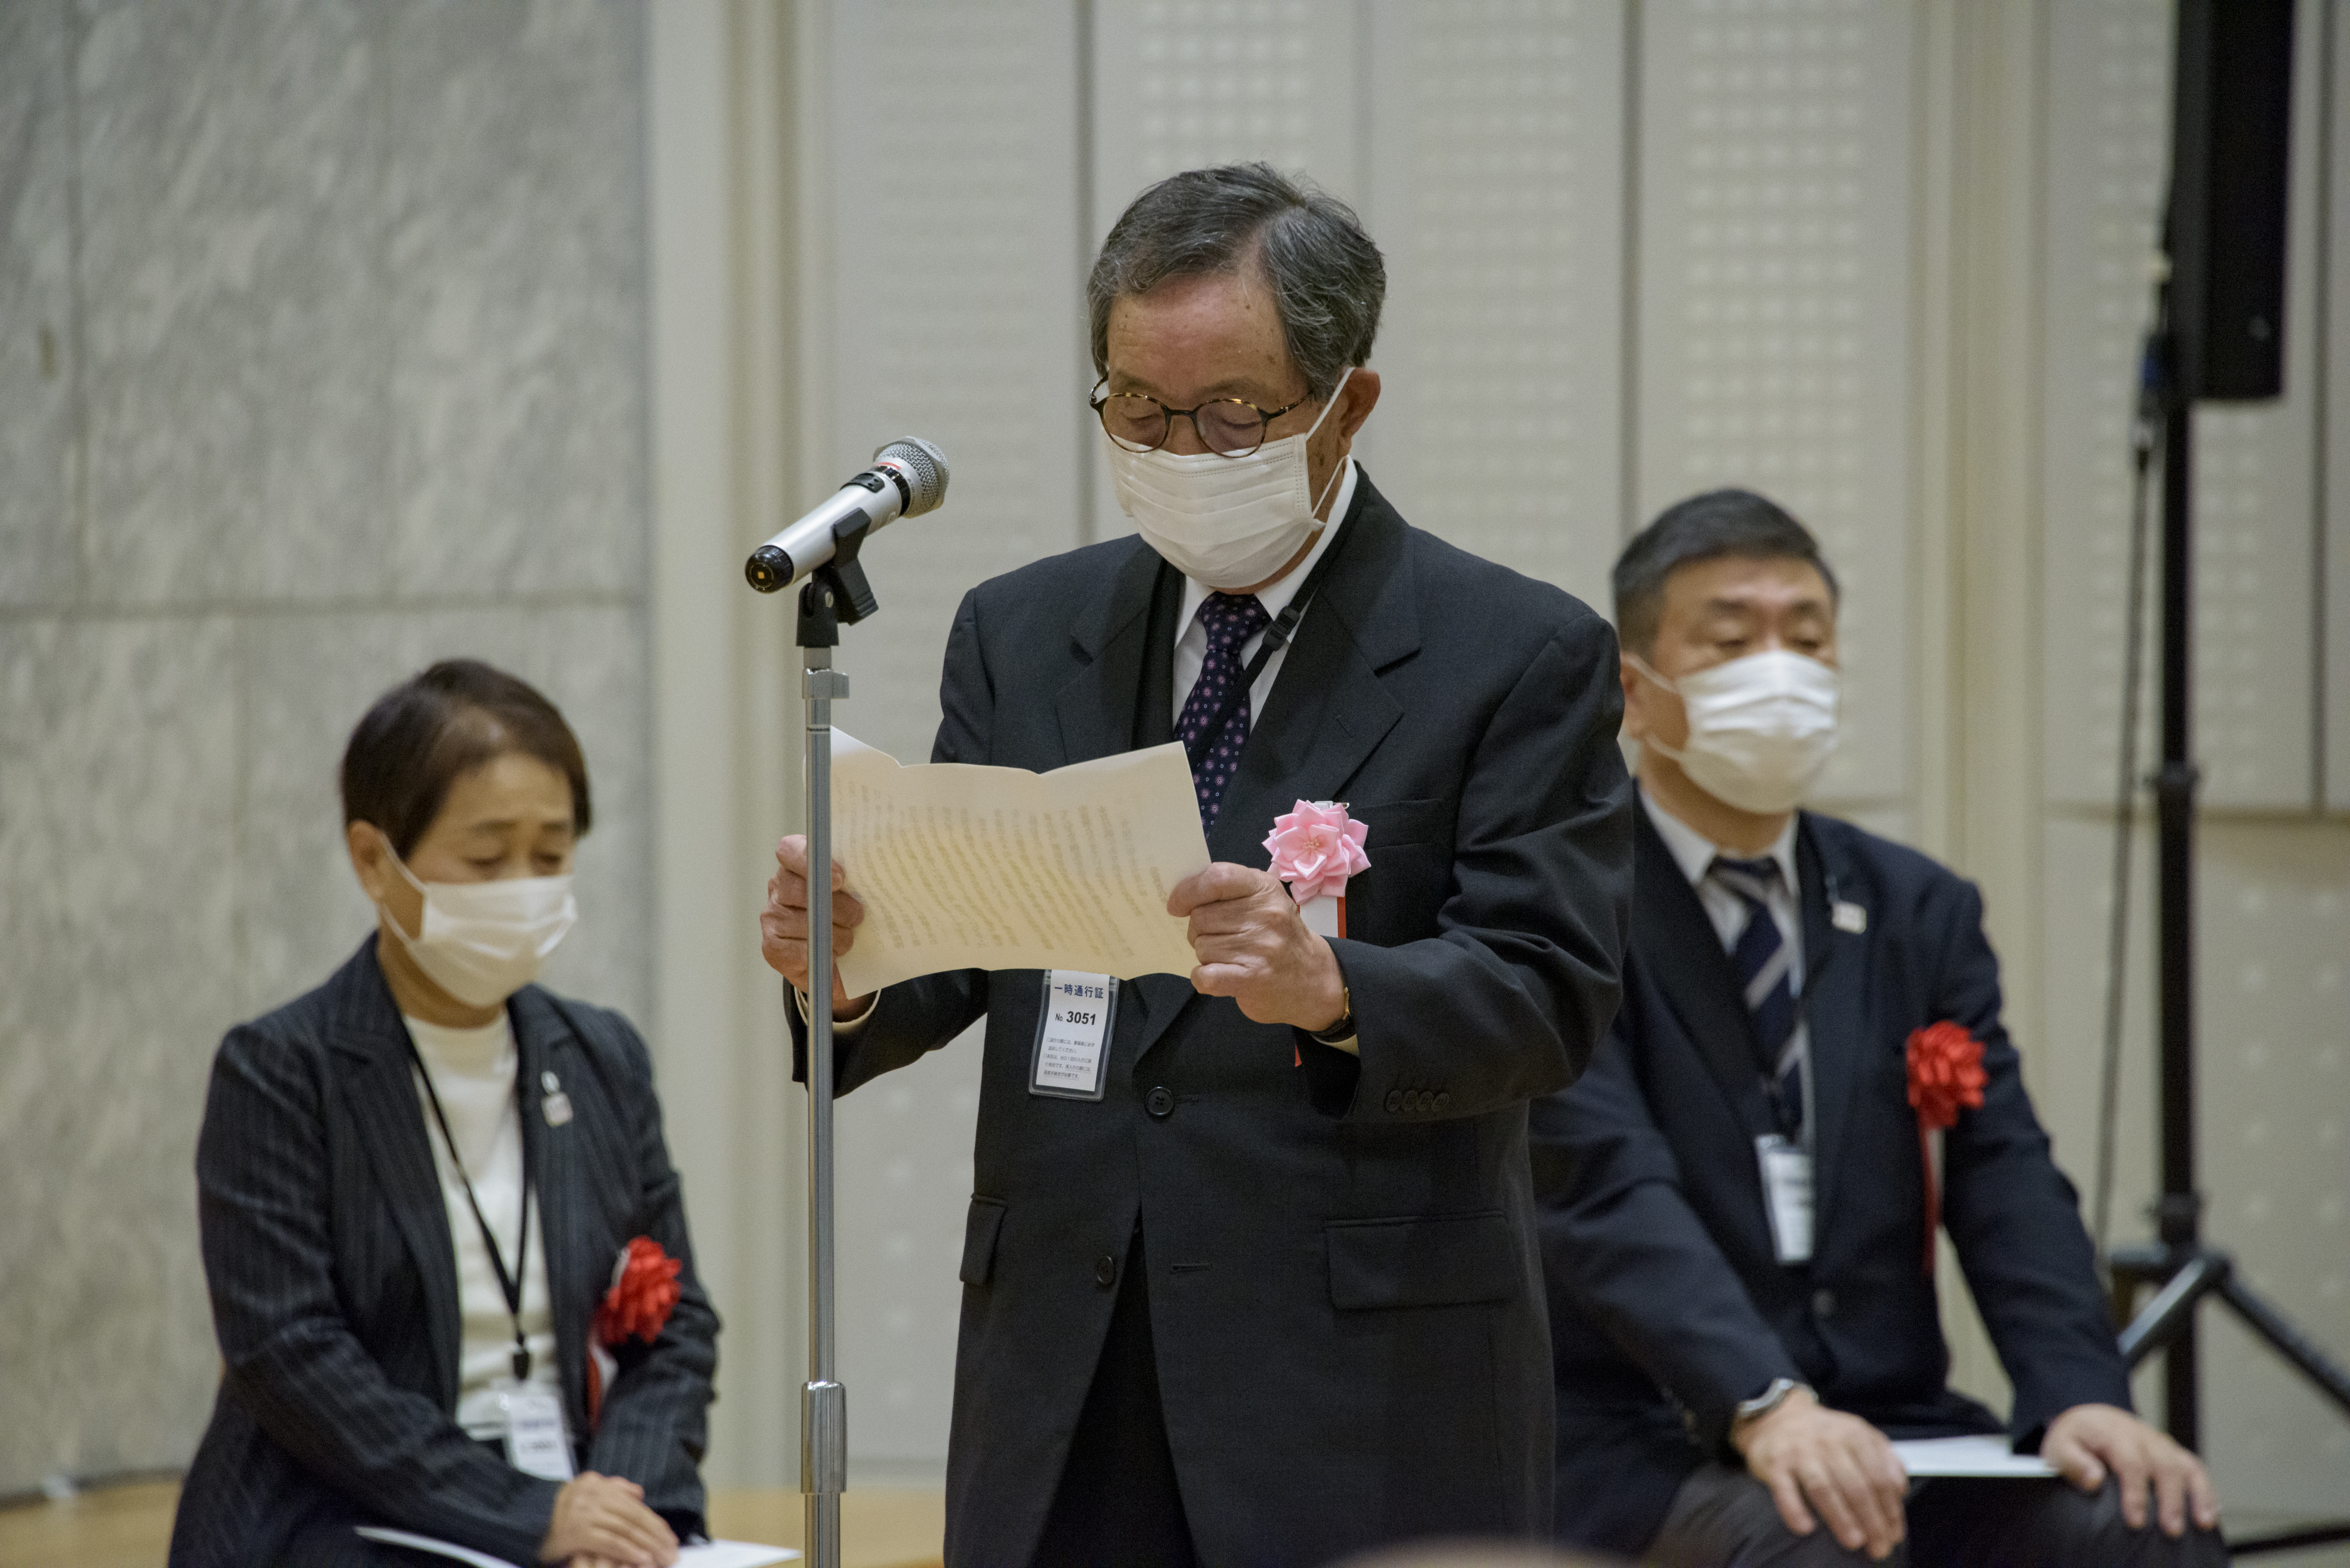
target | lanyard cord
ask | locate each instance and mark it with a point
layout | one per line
(510, 1284)
(1276, 635)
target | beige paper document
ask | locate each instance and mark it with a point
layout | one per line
(961, 866)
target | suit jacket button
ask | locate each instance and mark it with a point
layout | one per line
(1105, 1270)
(1443, 1098)
(1160, 1101)
(1394, 1101)
(1823, 1304)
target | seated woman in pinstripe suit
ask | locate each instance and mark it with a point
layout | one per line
(419, 1184)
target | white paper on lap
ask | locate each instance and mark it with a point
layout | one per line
(963, 866)
(708, 1554)
(1987, 1458)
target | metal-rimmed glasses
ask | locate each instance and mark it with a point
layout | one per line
(1229, 427)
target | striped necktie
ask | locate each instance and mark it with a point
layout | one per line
(1764, 964)
(1229, 619)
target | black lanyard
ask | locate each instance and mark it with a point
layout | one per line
(1275, 636)
(509, 1283)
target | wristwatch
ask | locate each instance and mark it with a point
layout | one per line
(1770, 1399)
(1344, 1028)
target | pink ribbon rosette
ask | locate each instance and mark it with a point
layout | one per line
(1315, 849)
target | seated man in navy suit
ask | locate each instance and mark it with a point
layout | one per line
(1737, 1216)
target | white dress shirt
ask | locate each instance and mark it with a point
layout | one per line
(1694, 854)
(474, 1074)
(1192, 640)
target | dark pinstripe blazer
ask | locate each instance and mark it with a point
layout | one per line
(333, 1284)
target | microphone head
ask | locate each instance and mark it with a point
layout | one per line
(922, 466)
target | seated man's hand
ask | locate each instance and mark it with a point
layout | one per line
(604, 1520)
(1823, 1461)
(783, 924)
(2089, 1442)
(1253, 947)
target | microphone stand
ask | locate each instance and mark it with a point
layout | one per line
(835, 593)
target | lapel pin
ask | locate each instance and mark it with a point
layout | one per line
(1847, 916)
(555, 1106)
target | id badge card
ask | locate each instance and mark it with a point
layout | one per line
(535, 1444)
(1788, 1196)
(1072, 1055)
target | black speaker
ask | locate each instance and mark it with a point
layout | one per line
(2231, 136)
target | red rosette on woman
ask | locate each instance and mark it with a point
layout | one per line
(1946, 1076)
(644, 1291)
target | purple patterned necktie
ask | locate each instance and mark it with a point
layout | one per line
(1229, 619)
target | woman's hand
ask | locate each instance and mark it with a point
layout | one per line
(601, 1521)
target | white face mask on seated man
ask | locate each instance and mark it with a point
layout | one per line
(1761, 727)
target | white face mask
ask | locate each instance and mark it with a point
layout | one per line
(1760, 727)
(1227, 522)
(483, 941)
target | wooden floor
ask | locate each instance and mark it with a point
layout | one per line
(131, 1526)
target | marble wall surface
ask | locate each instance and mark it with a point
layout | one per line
(322, 354)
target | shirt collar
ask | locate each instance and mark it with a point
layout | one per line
(1694, 853)
(1277, 598)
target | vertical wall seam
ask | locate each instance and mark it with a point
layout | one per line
(1088, 446)
(1628, 368)
(2321, 377)
(76, 337)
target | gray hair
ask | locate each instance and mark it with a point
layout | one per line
(1704, 528)
(1326, 276)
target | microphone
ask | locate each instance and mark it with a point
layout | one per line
(909, 477)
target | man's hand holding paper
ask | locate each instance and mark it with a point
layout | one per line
(962, 866)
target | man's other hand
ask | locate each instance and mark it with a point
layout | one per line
(783, 924)
(2088, 1442)
(1253, 947)
(1822, 1464)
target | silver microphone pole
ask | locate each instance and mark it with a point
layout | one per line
(910, 478)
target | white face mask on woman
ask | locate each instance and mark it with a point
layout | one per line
(1760, 727)
(483, 941)
(1227, 522)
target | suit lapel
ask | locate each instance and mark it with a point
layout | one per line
(379, 1090)
(1097, 706)
(1327, 710)
(1327, 713)
(1836, 977)
(543, 1046)
(1676, 941)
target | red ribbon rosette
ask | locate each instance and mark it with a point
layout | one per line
(1946, 1076)
(644, 1291)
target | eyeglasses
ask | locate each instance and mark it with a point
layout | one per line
(1226, 426)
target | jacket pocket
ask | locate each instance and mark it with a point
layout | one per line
(1398, 822)
(1447, 1260)
(979, 1230)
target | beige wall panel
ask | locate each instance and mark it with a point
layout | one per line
(2273, 1106)
(1496, 188)
(2334, 714)
(2109, 156)
(1773, 287)
(953, 231)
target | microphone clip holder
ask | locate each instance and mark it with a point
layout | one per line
(837, 594)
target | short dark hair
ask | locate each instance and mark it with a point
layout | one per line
(1703, 528)
(430, 729)
(1327, 278)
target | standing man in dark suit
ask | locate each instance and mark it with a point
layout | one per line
(1276, 1294)
(1735, 1211)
